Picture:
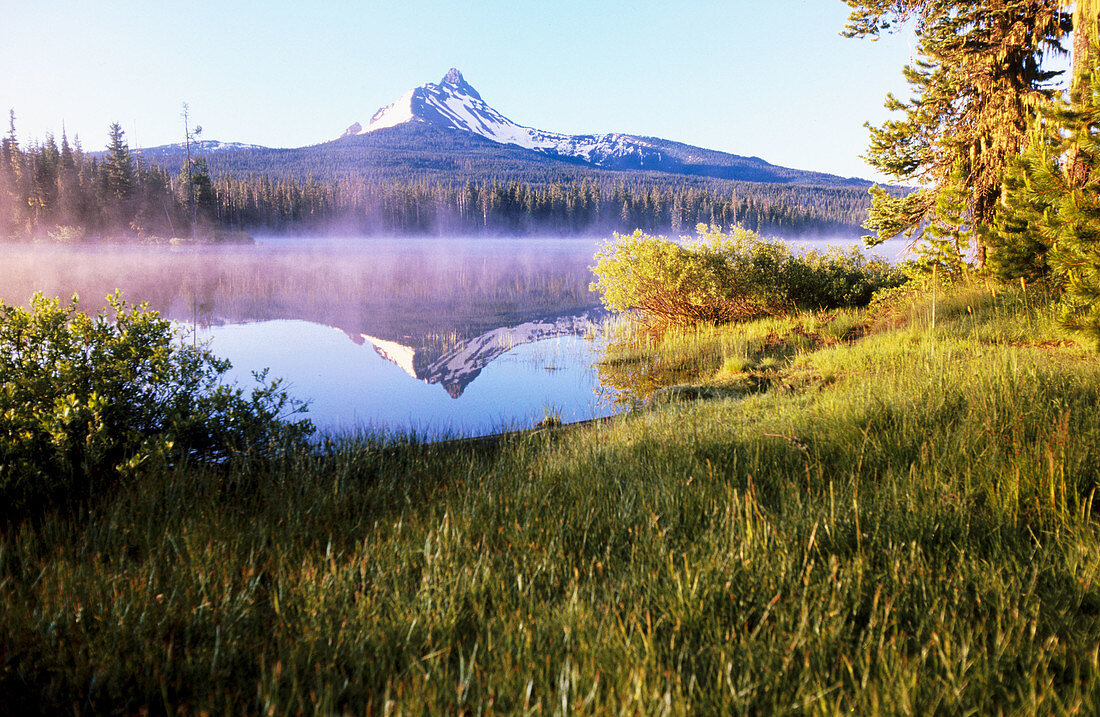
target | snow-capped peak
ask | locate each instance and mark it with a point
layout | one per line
(455, 104)
(457, 368)
(454, 79)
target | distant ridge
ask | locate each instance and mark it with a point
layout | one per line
(206, 146)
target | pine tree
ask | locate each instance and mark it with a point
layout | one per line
(978, 73)
(1020, 237)
(46, 161)
(949, 233)
(118, 166)
(118, 183)
(14, 184)
(1074, 222)
(68, 161)
(1051, 213)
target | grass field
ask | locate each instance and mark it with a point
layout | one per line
(846, 513)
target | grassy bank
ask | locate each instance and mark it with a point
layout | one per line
(865, 513)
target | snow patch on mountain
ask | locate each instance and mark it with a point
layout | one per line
(210, 145)
(403, 356)
(392, 115)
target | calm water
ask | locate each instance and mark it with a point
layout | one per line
(441, 337)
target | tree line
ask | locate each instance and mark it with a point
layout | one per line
(59, 191)
(510, 207)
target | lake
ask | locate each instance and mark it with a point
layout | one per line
(437, 337)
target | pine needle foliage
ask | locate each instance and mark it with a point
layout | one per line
(1051, 205)
(1075, 222)
(977, 74)
(1019, 238)
(949, 235)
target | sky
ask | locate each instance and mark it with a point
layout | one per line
(772, 78)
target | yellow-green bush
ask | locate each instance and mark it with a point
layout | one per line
(722, 277)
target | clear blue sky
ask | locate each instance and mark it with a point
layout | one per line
(770, 78)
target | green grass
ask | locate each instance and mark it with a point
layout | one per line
(903, 523)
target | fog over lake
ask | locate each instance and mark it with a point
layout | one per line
(442, 337)
(438, 336)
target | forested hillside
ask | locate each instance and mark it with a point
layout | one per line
(422, 151)
(60, 192)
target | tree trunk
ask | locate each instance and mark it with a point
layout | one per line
(1086, 17)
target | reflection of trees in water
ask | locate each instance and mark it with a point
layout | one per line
(630, 371)
(436, 297)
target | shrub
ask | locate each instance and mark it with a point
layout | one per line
(838, 278)
(85, 400)
(724, 277)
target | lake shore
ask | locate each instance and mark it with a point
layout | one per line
(833, 512)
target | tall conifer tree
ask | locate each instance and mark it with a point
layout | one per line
(118, 166)
(978, 73)
(1075, 222)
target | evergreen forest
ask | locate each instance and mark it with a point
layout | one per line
(63, 193)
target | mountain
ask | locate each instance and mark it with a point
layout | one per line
(446, 132)
(453, 104)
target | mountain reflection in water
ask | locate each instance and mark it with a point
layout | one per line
(455, 369)
(440, 310)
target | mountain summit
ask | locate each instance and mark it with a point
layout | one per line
(454, 104)
(455, 79)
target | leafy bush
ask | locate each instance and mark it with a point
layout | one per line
(723, 277)
(838, 278)
(85, 400)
